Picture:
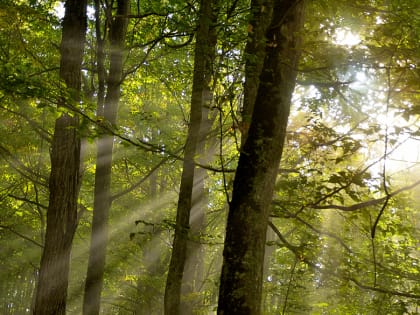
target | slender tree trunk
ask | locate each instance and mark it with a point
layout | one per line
(102, 202)
(241, 280)
(200, 97)
(193, 270)
(64, 178)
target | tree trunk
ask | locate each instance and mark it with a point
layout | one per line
(194, 263)
(261, 14)
(64, 181)
(102, 202)
(243, 255)
(200, 97)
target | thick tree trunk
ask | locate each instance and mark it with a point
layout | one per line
(200, 97)
(241, 280)
(64, 178)
(261, 14)
(102, 202)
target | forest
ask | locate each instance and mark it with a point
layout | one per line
(236, 157)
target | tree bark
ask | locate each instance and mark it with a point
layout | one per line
(261, 15)
(102, 191)
(243, 255)
(64, 180)
(200, 97)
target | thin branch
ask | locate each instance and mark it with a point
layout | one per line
(384, 172)
(21, 235)
(113, 131)
(28, 201)
(134, 69)
(337, 190)
(382, 290)
(296, 251)
(141, 181)
(289, 246)
(329, 234)
(332, 84)
(19, 167)
(44, 134)
(140, 16)
(361, 205)
(177, 46)
(216, 170)
(144, 15)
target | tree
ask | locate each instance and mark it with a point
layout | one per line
(243, 255)
(188, 195)
(64, 182)
(327, 227)
(25, 53)
(107, 111)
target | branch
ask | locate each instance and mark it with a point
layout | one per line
(43, 133)
(337, 190)
(140, 16)
(20, 167)
(381, 290)
(332, 84)
(139, 64)
(365, 204)
(289, 246)
(141, 181)
(176, 46)
(28, 201)
(216, 170)
(21, 235)
(295, 250)
(144, 15)
(329, 234)
(108, 129)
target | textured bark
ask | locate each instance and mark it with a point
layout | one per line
(243, 255)
(102, 191)
(200, 98)
(64, 181)
(261, 14)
